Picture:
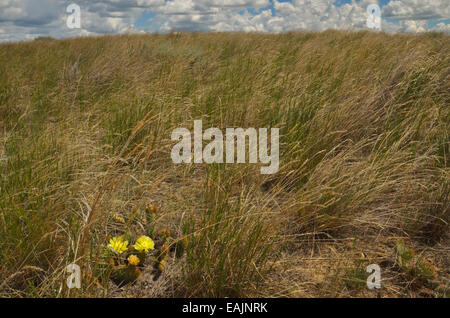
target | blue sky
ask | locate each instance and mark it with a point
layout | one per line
(146, 19)
(27, 19)
(149, 19)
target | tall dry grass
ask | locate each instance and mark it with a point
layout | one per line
(85, 129)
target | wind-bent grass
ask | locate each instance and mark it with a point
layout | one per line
(85, 128)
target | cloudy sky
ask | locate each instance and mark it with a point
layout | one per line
(28, 19)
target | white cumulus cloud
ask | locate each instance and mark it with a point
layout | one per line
(27, 19)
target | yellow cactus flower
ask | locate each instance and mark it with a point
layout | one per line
(118, 218)
(165, 233)
(144, 243)
(133, 260)
(151, 208)
(162, 265)
(118, 245)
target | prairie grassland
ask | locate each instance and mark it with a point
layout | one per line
(364, 118)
